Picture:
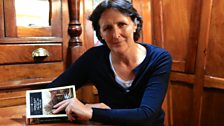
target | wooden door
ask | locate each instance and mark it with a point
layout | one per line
(212, 28)
(191, 31)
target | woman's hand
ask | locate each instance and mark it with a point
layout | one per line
(74, 109)
(98, 105)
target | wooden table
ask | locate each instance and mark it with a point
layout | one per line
(14, 116)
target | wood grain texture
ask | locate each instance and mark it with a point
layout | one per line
(215, 52)
(214, 82)
(212, 107)
(192, 32)
(56, 21)
(33, 32)
(10, 18)
(144, 9)
(22, 53)
(29, 71)
(182, 104)
(14, 94)
(2, 29)
(32, 40)
(201, 60)
(19, 70)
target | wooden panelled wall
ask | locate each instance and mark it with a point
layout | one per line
(192, 32)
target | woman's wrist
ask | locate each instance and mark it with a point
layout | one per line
(98, 105)
(89, 112)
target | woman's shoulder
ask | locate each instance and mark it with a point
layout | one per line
(156, 52)
(97, 50)
(154, 49)
(93, 53)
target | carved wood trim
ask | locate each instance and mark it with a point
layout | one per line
(74, 28)
(75, 49)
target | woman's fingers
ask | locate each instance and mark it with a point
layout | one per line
(74, 107)
(61, 106)
(69, 113)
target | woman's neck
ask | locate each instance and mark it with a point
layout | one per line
(125, 64)
(132, 56)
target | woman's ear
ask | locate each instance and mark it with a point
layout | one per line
(135, 27)
(136, 22)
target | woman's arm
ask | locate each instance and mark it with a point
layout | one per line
(76, 109)
(76, 74)
(147, 112)
(98, 105)
(150, 107)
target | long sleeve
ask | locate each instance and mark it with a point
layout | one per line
(156, 75)
(76, 74)
(141, 105)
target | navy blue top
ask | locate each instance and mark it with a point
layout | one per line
(141, 105)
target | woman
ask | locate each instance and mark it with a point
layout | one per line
(131, 77)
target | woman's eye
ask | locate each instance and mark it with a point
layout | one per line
(121, 24)
(106, 28)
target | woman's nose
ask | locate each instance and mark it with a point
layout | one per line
(116, 33)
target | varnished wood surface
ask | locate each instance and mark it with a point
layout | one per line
(30, 71)
(144, 9)
(17, 77)
(29, 31)
(26, 40)
(22, 53)
(19, 70)
(192, 32)
(15, 116)
(215, 52)
(2, 33)
(10, 18)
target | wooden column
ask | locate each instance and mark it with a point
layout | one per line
(74, 30)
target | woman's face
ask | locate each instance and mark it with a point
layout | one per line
(117, 30)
